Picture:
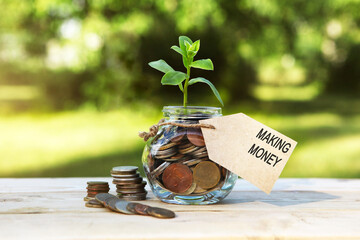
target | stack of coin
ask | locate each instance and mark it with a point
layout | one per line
(95, 187)
(178, 162)
(129, 184)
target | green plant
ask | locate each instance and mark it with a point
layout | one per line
(188, 49)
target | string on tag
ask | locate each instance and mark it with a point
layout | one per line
(153, 130)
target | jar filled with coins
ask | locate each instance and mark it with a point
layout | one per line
(176, 161)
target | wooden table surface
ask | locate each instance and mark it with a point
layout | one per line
(53, 208)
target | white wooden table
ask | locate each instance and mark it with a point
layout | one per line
(53, 208)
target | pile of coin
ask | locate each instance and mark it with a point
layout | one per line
(178, 162)
(129, 184)
(93, 188)
(119, 205)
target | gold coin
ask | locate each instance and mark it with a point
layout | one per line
(87, 204)
(160, 212)
(199, 190)
(167, 146)
(88, 198)
(188, 150)
(190, 190)
(206, 175)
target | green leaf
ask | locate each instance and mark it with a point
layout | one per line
(182, 43)
(186, 61)
(173, 78)
(191, 54)
(161, 65)
(205, 64)
(213, 88)
(181, 87)
(178, 50)
(195, 46)
(187, 45)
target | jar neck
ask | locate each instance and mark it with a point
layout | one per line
(190, 113)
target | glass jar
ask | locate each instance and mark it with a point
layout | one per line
(176, 162)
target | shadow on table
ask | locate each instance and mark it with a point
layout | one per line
(279, 198)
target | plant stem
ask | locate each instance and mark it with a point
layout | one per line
(186, 86)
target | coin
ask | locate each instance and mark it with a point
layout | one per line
(185, 144)
(174, 158)
(125, 176)
(177, 178)
(124, 169)
(132, 186)
(159, 170)
(141, 209)
(188, 150)
(192, 162)
(123, 181)
(139, 194)
(160, 212)
(206, 175)
(130, 191)
(195, 137)
(165, 153)
(200, 155)
(102, 197)
(93, 204)
(88, 198)
(199, 190)
(167, 146)
(109, 202)
(200, 150)
(97, 183)
(131, 207)
(96, 192)
(133, 198)
(91, 188)
(190, 190)
(179, 135)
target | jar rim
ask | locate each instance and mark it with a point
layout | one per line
(196, 112)
(191, 108)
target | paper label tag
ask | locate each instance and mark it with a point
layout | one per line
(248, 148)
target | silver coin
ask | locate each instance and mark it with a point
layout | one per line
(124, 169)
(102, 197)
(176, 157)
(188, 150)
(120, 206)
(192, 162)
(200, 150)
(132, 186)
(127, 180)
(165, 153)
(125, 176)
(157, 172)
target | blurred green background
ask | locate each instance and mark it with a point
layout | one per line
(75, 87)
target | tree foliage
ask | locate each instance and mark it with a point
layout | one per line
(97, 52)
